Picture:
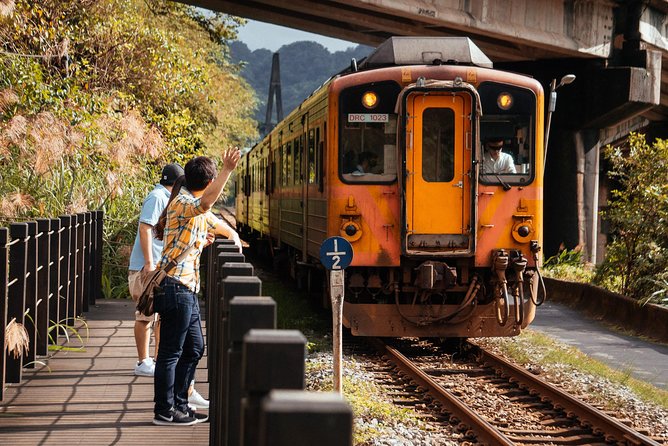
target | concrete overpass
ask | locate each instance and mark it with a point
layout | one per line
(617, 48)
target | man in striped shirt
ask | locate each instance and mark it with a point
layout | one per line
(186, 224)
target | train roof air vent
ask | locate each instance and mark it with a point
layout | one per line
(426, 50)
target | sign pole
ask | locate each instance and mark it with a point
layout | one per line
(336, 289)
(336, 253)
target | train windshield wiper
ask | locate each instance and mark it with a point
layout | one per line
(505, 185)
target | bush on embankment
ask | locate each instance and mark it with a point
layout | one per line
(96, 95)
(636, 260)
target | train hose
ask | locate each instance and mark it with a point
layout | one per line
(519, 265)
(502, 315)
(534, 299)
(535, 248)
(469, 301)
(519, 303)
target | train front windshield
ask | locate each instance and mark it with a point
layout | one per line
(368, 132)
(507, 134)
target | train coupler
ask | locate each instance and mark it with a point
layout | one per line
(435, 275)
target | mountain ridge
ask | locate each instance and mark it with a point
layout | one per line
(304, 66)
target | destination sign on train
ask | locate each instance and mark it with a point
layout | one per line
(368, 117)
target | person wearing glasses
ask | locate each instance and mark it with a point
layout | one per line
(495, 161)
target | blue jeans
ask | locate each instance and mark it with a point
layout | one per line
(181, 346)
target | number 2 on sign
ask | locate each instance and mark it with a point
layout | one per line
(337, 260)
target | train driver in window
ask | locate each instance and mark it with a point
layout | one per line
(349, 161)
(367, 161)
(496, 161)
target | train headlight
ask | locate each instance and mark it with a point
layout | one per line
(504, 101)
(350, 230)
(369, 99)
(522, 231)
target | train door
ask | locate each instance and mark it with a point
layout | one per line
(438, 166)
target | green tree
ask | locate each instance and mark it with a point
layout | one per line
(96, 95)
(637, 258)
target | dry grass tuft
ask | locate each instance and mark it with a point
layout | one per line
(7, 98)
(50, 136)
(16, 129)
(16, 204)
(153, 145)
(6, 7)
(16, 338)
(79, 204)
(130, 138)
(114, 184)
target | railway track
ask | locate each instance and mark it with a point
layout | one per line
(496, 402)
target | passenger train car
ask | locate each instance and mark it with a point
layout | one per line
(389, 155)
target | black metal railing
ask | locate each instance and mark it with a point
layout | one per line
(256, 372)
(51, 271)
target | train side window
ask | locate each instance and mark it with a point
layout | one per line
(298, 161)
(250, 179)
(311, 155)
(320, 158)
(289, 163)
(282, 166)
(272, 181)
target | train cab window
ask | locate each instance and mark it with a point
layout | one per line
(368, 151)
(368, 133)
(509, 117)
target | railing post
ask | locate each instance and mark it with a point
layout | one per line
(208, 264)
(231, 286)
(72, 308)
(54, 276)
(87, 262)
(43, 281)
(214, 320)
(82, 304)
(30, 319)
(99, 232)
(4, 259)
(65, 264)
(320, 418)
(16, 292)
(223, 247)
(272, 359)
(246, 313)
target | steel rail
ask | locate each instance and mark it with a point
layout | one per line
(600, 423)
(484, 431)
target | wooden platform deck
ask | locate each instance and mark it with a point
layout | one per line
(92, 397)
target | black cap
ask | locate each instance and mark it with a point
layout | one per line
(170, 173)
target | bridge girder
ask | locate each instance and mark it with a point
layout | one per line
(511, 30)
(609, 32)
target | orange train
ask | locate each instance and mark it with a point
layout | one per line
(391, 155)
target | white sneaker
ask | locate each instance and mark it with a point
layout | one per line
(197, 401)
(145, 368)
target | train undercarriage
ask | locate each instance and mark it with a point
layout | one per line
(434, 299)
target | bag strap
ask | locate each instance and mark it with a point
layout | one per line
(170, 266)
(172, 263)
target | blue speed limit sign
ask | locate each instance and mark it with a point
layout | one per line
(336, 253)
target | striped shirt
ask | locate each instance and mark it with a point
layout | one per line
(187, 224)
